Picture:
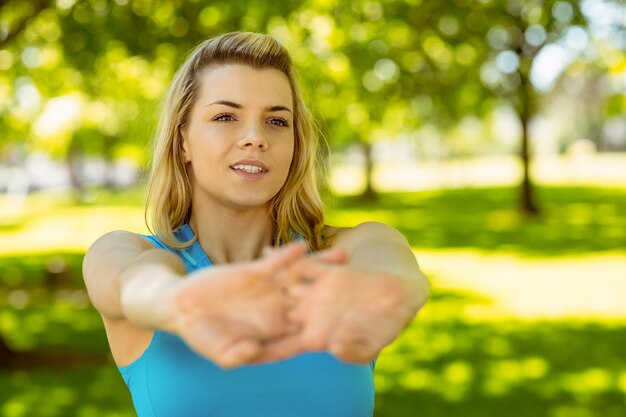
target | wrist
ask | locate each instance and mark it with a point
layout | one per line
(147, 295)
(168, 308)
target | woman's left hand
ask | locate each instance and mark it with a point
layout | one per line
(351, 312)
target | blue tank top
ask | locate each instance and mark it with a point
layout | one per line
(171, 380)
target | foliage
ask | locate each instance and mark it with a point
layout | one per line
(373, 70)
(426, 61)
(446, 363)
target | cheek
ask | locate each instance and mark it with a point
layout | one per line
(288, 159)
(207, 145)
(290, 150)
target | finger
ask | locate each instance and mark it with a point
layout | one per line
(355, 351)
(280, 349)
(281, 257)
(267, 251)
(268, 319)
(313, 268)
(332, 255)
(305, 270)
(316, 333)
(297, 314)
(239, 353)
(292, 275)
(287, 275)
(355, 342)
(298, 290)
(227, 348)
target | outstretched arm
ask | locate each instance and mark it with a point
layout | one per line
(356, 308)
(127, 278)
(224, 313)
(379, 247)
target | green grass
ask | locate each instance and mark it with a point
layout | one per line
(455, 368)
(573, 220)
(87, 392)
(444, 364)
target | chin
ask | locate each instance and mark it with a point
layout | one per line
(251, 202)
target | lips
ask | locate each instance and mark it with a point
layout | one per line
(253, 166)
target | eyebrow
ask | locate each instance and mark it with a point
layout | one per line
(239, 106)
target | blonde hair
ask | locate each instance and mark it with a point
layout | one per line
(297, 207)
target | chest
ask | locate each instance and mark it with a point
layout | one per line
(170, 379)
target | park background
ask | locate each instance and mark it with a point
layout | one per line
(492, 133)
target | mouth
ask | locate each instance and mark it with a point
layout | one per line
(251, 169)
(249, 166)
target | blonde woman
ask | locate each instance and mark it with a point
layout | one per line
(243, 302)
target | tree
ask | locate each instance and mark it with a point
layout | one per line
(518, 33)
(377, 68)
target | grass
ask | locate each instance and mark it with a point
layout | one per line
(447, 363)
(455, 368)
(573, 220)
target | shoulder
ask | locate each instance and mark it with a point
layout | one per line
(115, 242)
(362, 232)
(119, 238)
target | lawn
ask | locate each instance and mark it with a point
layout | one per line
(468, 353)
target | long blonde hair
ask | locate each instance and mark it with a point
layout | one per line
(297, 207)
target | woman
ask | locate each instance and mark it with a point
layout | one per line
(203, 318)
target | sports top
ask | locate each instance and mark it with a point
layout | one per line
(170, 379)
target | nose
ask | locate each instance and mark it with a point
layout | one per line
(253, 139)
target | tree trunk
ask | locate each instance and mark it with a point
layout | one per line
(73, 158)
(528, 203)
(369, 194)
(527, 199)
(7, 355)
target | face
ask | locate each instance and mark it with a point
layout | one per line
(238, 142)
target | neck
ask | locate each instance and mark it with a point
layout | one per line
(232, 235)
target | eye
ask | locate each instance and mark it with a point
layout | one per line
(278, 121)
(224, 117)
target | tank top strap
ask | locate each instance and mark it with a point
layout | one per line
(155, 242)
(193, 256)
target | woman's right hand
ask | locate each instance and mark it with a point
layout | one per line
(226, 313)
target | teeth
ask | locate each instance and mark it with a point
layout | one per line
(248, 168)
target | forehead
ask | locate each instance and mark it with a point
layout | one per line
(245, 85)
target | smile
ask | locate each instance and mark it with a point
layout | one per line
(248, 168)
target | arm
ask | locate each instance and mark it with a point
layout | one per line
(128, 279)
(379, 247)
(356, 306)
(224, 313)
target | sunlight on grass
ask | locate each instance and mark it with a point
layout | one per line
(513, 368)
(532, 287)
(511, 285)
(71, 229)
(526, 317)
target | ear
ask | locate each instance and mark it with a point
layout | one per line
(185, 145)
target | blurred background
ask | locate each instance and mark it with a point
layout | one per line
(492, 133)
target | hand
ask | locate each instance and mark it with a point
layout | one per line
(227, 312)
(351, 312)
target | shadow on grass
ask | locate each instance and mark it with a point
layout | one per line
(454, 368)
(573, 220)
(88, 392)
(48, 271)
(442, 365)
